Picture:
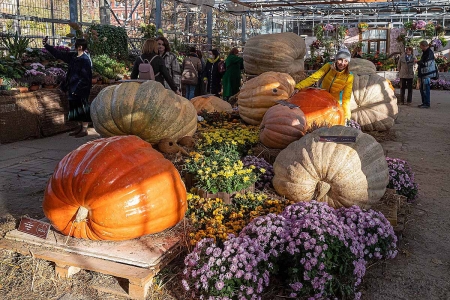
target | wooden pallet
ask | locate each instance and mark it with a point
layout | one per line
(118, 259)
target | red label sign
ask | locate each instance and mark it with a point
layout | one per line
(34, 227)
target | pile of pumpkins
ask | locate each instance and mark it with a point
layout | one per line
(119, 187)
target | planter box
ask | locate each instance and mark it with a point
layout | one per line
(226, 197)
(33, 115)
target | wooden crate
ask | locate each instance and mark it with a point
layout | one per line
(134, 262)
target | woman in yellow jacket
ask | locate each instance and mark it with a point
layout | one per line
(336, 79)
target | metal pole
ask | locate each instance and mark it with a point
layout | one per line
(209, 21)
(158, 13)
(81, 11)
(52, 13)
(17, 22)
(244, 29)
(73, 12)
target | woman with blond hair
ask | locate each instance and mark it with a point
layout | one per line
(150, 54)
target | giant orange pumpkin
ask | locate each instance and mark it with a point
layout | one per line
(114, 188)
(319, 107)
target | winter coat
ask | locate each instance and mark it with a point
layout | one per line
(79, 75)
(159, 68)
(192, 67)
(338, 84)
(231, 80)
(405, 66)
(213, 77)
(427, 65)
(173, 67)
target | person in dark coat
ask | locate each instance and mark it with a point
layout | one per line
(427, 70)
(78, 83)
(231, 80)
(192, 65)
(150, 53)
(211, 75)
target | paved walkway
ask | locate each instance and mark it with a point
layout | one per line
(25, 168)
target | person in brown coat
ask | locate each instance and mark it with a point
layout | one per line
(405, 69)
(192, 66)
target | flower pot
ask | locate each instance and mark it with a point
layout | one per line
(49, 86)
(23, 89)
(94, 80)
(226, 197)
(44, 62)
(1, 81)
(99, 82)
(34, 88)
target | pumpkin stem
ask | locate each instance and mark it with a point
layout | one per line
(82, 214)
(322, 189)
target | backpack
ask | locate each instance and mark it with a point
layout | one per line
(222, 67)
(146, 70)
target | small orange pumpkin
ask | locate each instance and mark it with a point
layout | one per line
(114, 188)
(319, 107)
(282, 125)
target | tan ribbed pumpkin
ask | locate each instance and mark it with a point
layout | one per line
(274, 52)
(281, 126)
(373, 103)
(211, 103)
(262, 92)
(336, 173)
(360, 66)
(147, 110)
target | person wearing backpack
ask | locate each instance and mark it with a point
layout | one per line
(150, 62)
(192, 65)
(211, 76)
(172, 64)
(232, 78)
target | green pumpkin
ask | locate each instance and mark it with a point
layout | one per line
(146, 110)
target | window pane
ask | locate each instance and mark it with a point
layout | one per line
(364, 47)
(383, 47)
(383, 34)
(365, 35)
(373, 47)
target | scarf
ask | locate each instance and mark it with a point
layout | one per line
(213, 60)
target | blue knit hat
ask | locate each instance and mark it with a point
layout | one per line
(344, 53)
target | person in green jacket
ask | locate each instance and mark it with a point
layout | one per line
(231, 80)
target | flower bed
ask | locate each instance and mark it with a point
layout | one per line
(314, 250)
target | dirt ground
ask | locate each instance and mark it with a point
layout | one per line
(420, 271)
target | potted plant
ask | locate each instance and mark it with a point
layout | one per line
(363, 26)
(35, 76)
(53, 77)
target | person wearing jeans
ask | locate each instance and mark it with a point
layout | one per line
(192, 66)
(427, 71)
(190, 91)
(405, 69)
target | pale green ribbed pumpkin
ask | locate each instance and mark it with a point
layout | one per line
(147, 110)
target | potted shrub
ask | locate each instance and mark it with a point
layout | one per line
(362, 26)
(53, 77)
(35, 76)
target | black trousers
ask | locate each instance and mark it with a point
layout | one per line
(406, 83)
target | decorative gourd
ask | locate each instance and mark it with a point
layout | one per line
(114, 188)
(274, 52)
(373, 103)
(211, 104)
(335, 173)
(147, 110)
(360, 66)
(260, 93)
(281, 126)
(319, 107)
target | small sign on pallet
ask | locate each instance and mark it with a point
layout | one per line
(338, 139)
(34, 227)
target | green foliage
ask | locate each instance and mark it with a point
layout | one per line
(11, 69)
(149, 31)
(107, 67)
(15, 44)
(318, 31)
(443, 41)
(107, 39)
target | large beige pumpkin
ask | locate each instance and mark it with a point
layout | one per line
(147, 110)
(281, 126)
(211, 103)
(274, 52)
(362, 66)
(260, 93)
(336, 173)
(373, 103)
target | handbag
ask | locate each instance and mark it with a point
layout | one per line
(186, 77)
